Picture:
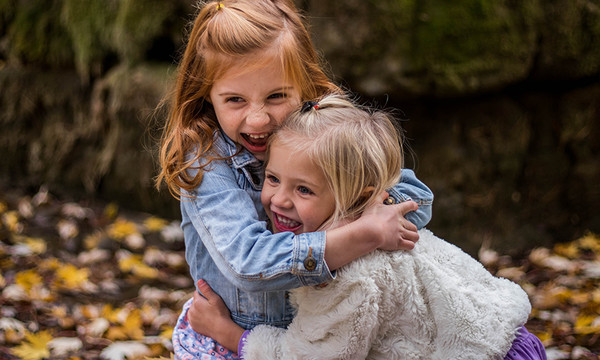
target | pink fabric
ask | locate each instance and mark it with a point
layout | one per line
(189, 345)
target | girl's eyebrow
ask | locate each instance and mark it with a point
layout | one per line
(282, 88)
(279, 89)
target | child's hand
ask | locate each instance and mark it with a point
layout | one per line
(395, 232)
(208, 315)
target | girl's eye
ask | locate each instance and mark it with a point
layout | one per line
(234, 99)
(278, 96)
(273, 179)
(304, 190)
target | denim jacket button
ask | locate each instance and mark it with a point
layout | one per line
(389, 201)
(310, 263)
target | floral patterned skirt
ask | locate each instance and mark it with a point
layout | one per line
(189, 345)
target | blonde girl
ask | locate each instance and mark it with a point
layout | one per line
(246, 66)
(326, 165)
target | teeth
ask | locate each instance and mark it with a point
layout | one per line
(258, 137)
(286, 221)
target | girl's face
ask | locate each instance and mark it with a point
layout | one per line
(250, 104)
(295, 194)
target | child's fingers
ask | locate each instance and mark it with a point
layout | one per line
(410, 235)
(406, 245)
(408, 206)
(382, 196)
(206, 291)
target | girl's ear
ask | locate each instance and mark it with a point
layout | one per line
(367, 192)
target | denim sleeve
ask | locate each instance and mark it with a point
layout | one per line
(222, 218)
(411, 188)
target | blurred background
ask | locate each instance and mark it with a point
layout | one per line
(500, 101)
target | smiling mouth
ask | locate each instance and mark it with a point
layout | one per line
(257, 140)
(282, 223)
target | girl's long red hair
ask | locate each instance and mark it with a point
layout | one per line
(241, 33)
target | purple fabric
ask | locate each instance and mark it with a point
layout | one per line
(526, 347)
(241, 344)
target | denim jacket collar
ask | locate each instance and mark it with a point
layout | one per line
(242, 161)
(239, 159)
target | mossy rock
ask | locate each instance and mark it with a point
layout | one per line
(34, 34)
(452, 49)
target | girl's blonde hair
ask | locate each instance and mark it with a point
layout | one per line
(241, 33)
(358, 149)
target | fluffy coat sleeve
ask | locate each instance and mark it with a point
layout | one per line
(434, 302)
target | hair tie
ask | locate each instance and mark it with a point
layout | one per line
(220, 6)
(309, 105)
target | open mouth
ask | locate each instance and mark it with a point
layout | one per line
(256, 142)
(282, 223)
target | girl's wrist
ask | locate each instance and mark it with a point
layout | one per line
(349, 242)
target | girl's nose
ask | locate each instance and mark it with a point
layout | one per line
(281, 199)
(258, 117)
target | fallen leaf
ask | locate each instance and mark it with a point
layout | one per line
(133, 263)
(11, 221)
(121, 228)
(111, 210)
(67, 229)
(35, 347)
(97, 327)
(70, 277)
(27, 279)
(587, 324)
(75, 210)
(155, 223)
(122, 350)
(135, 241)
(172, 232)
(61, 346)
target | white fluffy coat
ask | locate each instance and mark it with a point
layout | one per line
(434, 302)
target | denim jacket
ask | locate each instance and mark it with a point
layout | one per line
(229, 246)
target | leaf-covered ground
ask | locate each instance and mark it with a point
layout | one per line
(83, 281)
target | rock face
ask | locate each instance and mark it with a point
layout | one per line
(457, 48)
(502, 99)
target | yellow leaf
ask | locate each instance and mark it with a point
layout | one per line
(591, 242)
(160, 358)
(37, 245)
(110, 314)
(167, 333)
(587, 324)
(11, 221)
(3, 207)
(133, 325)
(116, 333)
(155, 223)
(121, 229)
(544, 336)
(50, 264)
(145, 271)
(35, 348)
(111, 210)
(27, 279)
(71, 277)
(135, 265)
(568, 250)
(91, 241)
(12, 336)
